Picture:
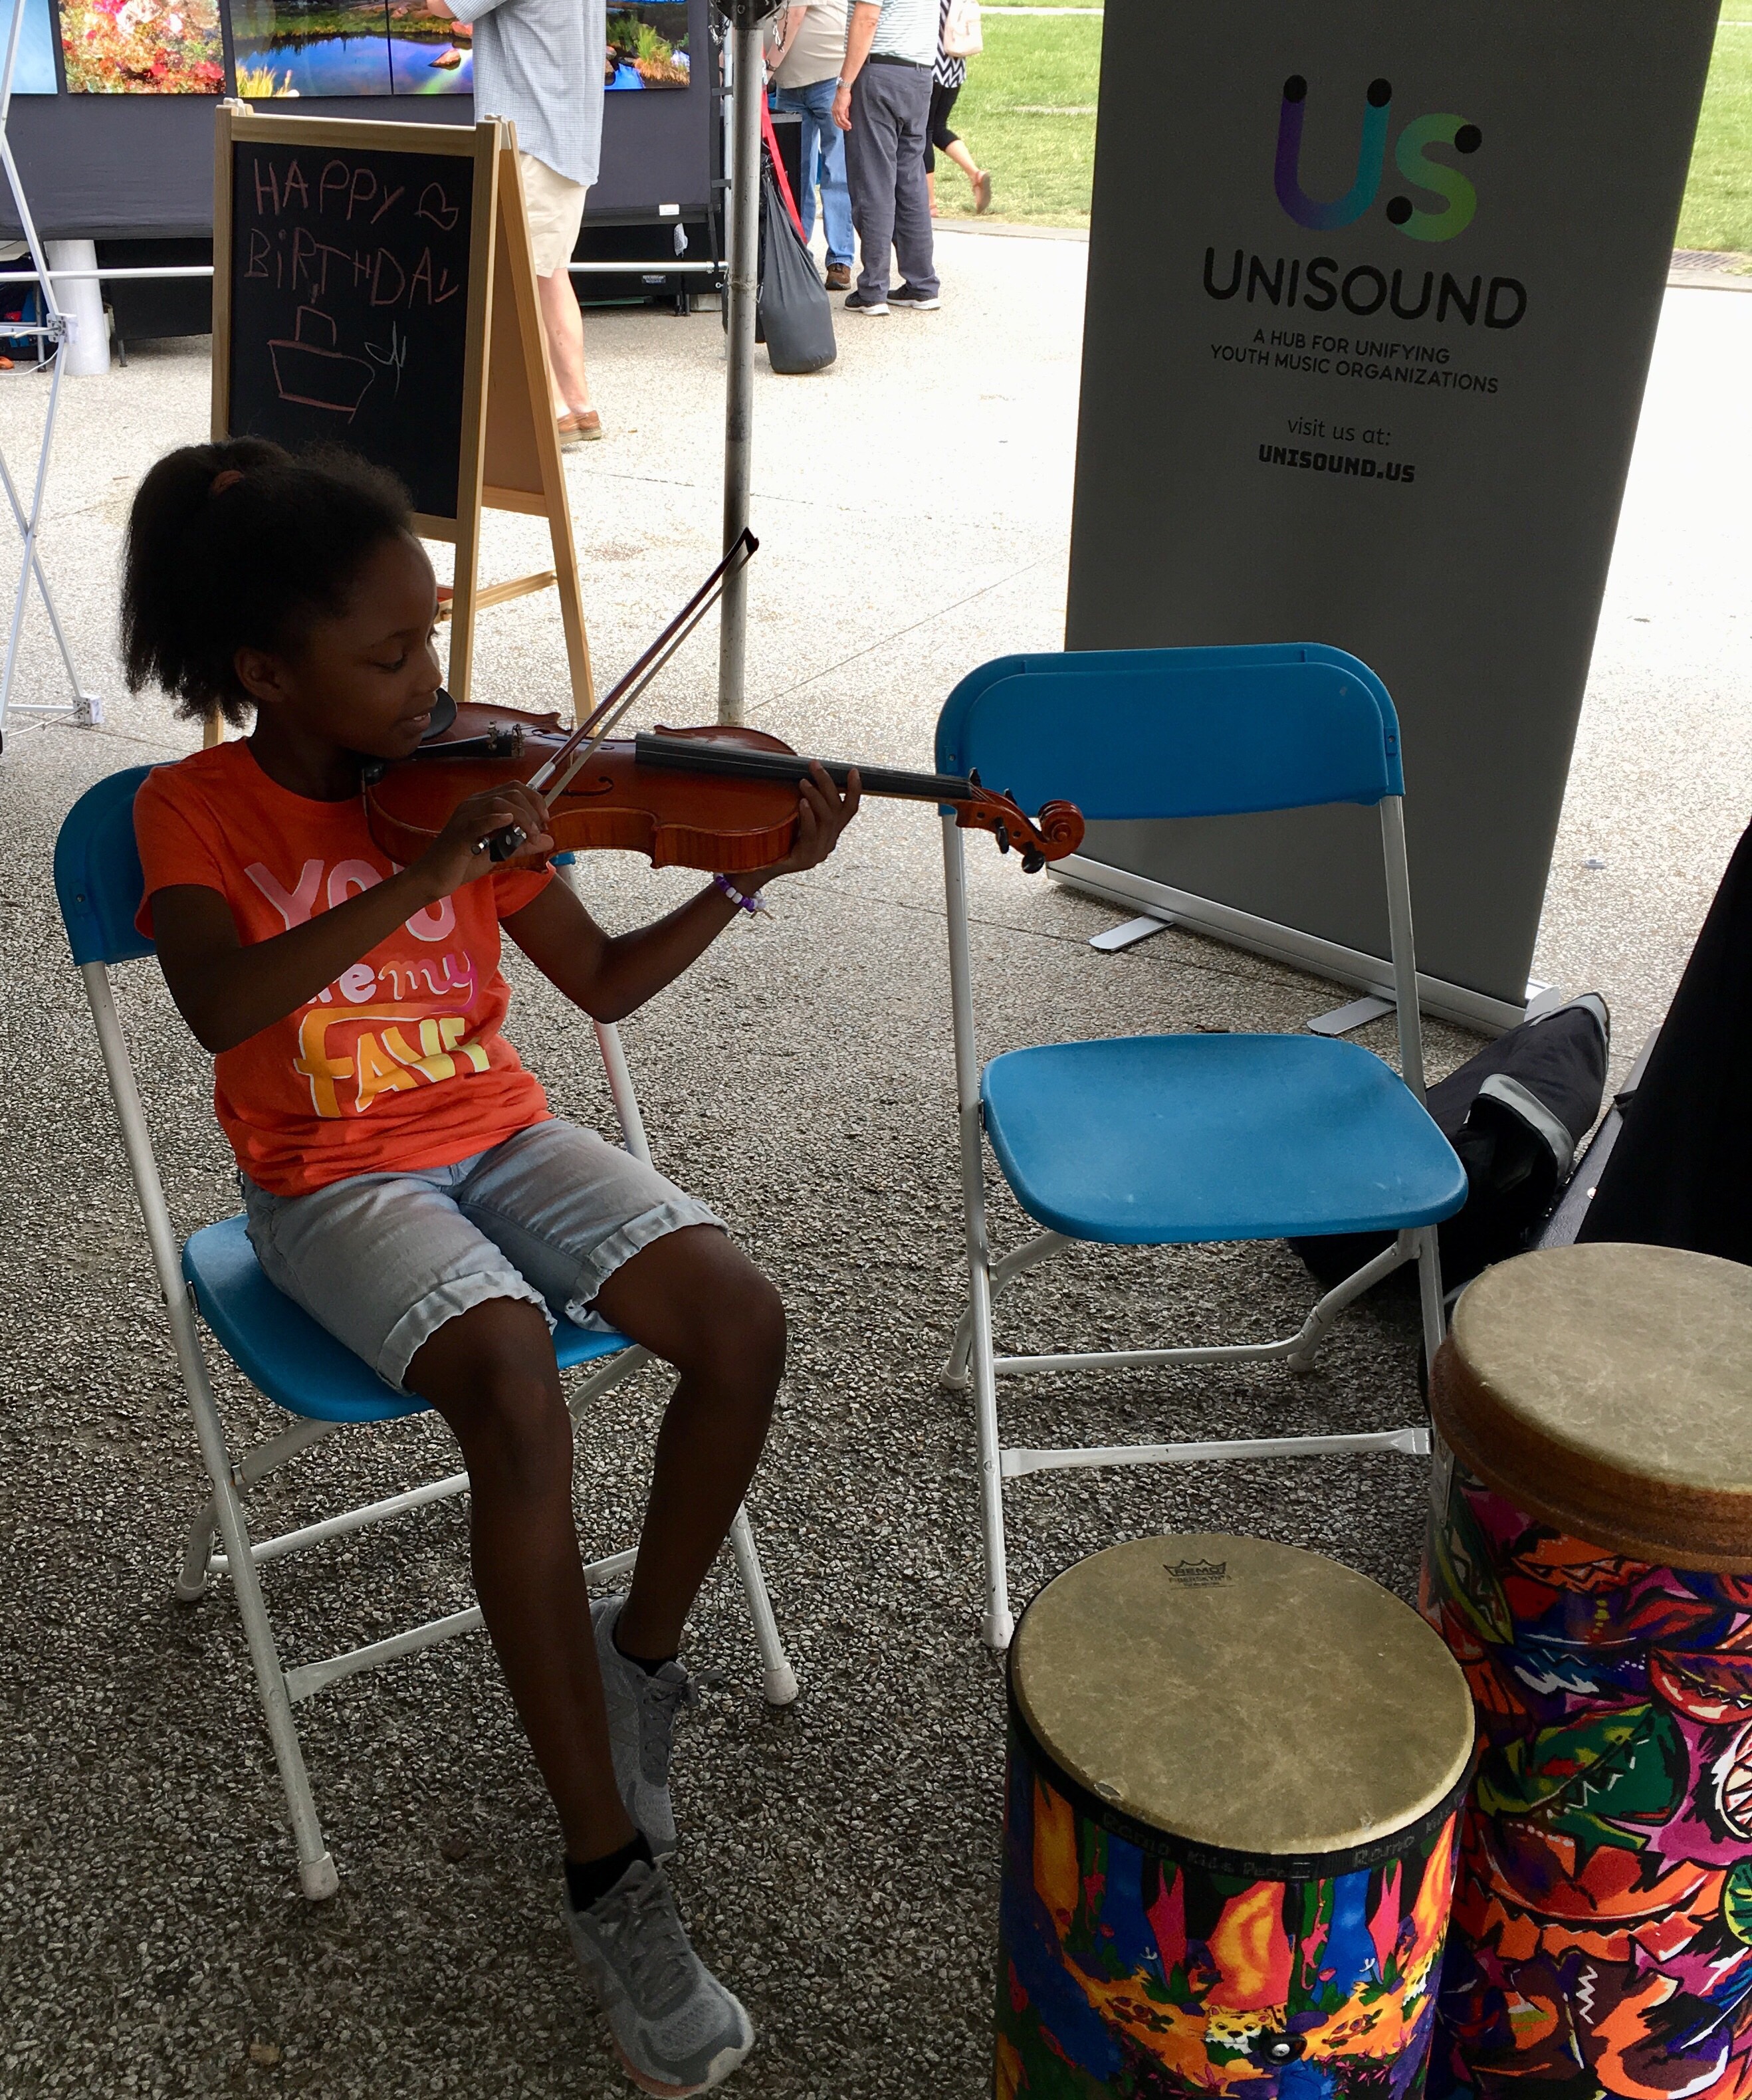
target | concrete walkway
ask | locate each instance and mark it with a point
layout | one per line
(839, 1859)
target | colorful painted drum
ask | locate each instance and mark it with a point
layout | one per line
(1589, 1564)
(1233, 1781)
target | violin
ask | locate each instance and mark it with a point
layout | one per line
(721, 798)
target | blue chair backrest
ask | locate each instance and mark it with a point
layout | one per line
(97, 871)
(1128, 733)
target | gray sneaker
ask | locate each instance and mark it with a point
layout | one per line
(676, 2028)
(642, 1705)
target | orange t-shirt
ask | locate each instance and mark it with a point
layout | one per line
(399, 1064)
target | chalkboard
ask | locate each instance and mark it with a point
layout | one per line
(350, 316)
(373, 287)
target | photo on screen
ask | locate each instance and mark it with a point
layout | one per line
(648, 45)
(143, 48)
(428, 56)
(286, 48)
(283, 49)
(33, 70)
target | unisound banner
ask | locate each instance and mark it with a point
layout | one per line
(1373, 285)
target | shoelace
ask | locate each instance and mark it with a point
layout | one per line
(661, 1701)
(647, 1934)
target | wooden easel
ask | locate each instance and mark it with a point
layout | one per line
(520, 457)
(510, 451)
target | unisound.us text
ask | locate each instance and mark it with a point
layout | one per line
(1323, 462)
(1410, 295)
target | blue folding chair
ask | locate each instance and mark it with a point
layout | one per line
(1159, 1140)
(283, 1353)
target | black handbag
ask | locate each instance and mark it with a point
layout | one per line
(792, 316)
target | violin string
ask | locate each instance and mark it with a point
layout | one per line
(638, 677)
(634, 692)
(636, 683)
(644, 668)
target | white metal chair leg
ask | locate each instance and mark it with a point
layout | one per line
(197, 1552)
(997, 1625)
(779, 1679)
(316, 1870)
(621, 1089)
(1320, 1322)
(316, 1873)
(954, 1376)
(256, 1464)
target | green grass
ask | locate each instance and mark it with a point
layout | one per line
(1718, 211)
(1042, 165)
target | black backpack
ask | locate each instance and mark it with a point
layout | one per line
(1515, 1113)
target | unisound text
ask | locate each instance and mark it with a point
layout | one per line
(1357, 463)
(1410, 295)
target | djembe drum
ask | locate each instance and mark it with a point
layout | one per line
(1590, 1565)
(1234, 1779)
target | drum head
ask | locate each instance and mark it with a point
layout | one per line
(1243, 1697)
(1606, 1390)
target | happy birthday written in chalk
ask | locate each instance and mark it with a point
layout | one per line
(394, 265)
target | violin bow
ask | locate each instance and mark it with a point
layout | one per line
(556, 774)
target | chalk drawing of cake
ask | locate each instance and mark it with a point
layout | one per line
(317, 376)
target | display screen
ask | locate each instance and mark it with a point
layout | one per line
(648, 46)
(285, 50)
(142, 47)
(290, 48)
(33, 72)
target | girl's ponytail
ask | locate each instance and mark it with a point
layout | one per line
(238, 546)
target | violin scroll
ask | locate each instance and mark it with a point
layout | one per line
(1057, 831)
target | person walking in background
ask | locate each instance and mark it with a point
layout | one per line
(805, 77)
(947, 79)
(540, 63)
(883, 105)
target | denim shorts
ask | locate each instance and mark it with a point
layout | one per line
(383, 1260)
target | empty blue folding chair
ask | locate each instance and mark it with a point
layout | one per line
(283, 1353)
(1159, 1140)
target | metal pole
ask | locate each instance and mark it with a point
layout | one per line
(85, 707)
(746, 73)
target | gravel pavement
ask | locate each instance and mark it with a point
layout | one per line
(839, 1859)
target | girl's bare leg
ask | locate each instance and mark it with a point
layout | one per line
(491, 1374)
(695, 1299)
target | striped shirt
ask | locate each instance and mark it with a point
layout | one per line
(907, 29)
(541, 64)
(947, 72)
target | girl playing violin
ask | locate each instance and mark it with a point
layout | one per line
(404, 1180)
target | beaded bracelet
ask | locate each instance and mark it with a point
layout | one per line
(756, 903)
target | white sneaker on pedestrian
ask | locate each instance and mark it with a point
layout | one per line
(642, 1705)
(676, 2028)
(863, 303)
(918, 303)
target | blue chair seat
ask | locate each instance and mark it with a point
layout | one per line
(1154, 1140)
(283, 1351)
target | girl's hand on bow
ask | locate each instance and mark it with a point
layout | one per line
(459, 855)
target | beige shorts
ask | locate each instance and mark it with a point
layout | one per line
(555, 206)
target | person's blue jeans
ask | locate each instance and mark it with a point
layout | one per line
(815, 105)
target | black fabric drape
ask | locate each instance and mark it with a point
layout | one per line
(1680, 1174)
